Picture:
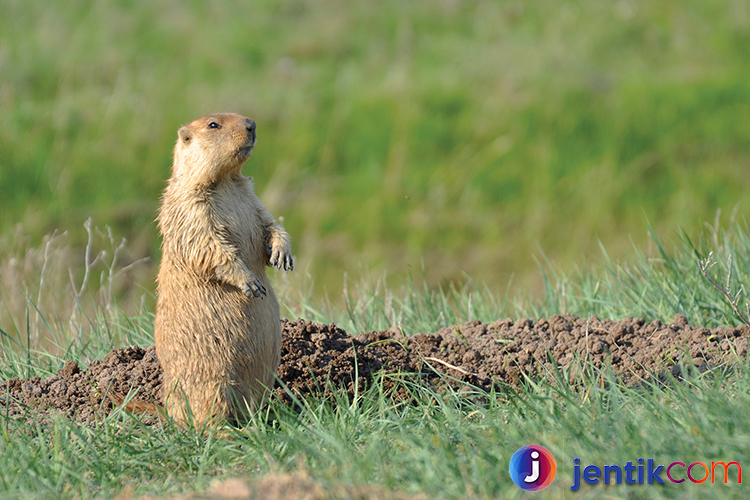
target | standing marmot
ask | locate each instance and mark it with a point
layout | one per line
(218, 333)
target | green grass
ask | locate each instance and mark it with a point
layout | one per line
(653, 283)
(461, 134)
(446, 445)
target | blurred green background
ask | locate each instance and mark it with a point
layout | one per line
(465, 136)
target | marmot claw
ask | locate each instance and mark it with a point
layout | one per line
(281, 260)
(254, 289)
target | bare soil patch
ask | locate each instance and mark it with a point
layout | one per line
(298, 486)
(317, 359)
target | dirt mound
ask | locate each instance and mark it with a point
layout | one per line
(81, 394)
(317, 358)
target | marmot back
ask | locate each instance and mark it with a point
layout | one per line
(217, 328)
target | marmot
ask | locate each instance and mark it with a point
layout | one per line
(217, 329)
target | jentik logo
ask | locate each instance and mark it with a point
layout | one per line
(532, 467)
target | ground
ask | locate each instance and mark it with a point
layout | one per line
(317, 358)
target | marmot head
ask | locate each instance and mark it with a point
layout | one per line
(214, 146)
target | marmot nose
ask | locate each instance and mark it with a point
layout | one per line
(250, 125)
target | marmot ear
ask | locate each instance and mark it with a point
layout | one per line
(185, 134)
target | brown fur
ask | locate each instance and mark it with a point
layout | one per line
(218, 333)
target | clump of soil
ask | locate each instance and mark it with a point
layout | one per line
(82, 394)
(318, 358)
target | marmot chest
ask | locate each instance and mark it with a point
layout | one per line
(237, 214)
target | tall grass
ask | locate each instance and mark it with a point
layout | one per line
(59, 303)
(53, 306)
(652, 283)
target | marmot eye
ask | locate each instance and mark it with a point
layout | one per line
(214, 125)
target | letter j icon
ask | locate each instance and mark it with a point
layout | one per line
(532, 467)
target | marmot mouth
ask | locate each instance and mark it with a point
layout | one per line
(246, 149)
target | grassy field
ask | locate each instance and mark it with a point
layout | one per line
(440, 445)
(434, 162)
(470, 135)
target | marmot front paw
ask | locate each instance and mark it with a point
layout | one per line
(281, 258)
(254, 288)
